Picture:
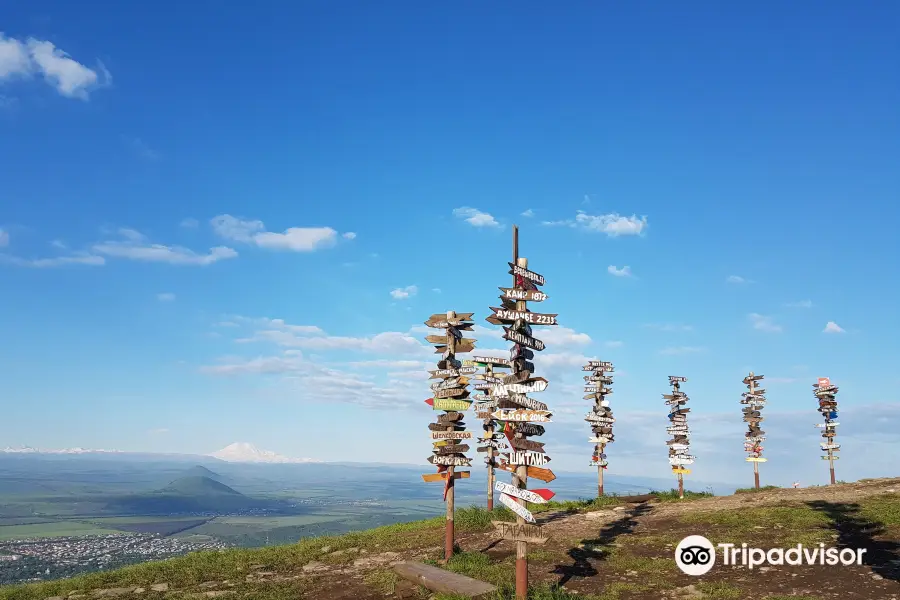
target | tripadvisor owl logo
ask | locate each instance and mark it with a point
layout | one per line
(696, 555)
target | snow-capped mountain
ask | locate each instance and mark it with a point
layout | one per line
(245, 452)
(30, 450)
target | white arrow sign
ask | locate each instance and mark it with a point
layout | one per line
(517, 508)
(518, 493)
(537, 385)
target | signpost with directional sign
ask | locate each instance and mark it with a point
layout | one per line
(753, 401)
(515, 413)
(450, 395)
(597, 385)
(679, 445)
(483, 408)
(825, 393)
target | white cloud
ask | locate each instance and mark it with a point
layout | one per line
(679, 350)
(560, 337)
(669, 327)
(475, 217)
(78, 258)
(613, 344)
(436, 290)
(623, 272)
(135, 246)
(735, 279)
(189, 223)
(4, 238)
(159, 431)
(404, 293)
(800, 304)
(349, 235)
(612, 224)
(528, 213)
(763, 323)
(832, 327)
(141, 148)
(297, 239)
(165, 297)
(24, 59)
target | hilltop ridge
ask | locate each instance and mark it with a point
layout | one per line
(606, 549)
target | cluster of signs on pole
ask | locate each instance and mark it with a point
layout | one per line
(450, 394)
(597, 386)
(754, 399)
(511, 408)
(679, 445)
(825, 393)
(492, 442)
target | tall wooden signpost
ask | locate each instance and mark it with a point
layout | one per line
(597, 385)
(754, 399)
(518, 414)
(679, 445)
(485, 404)
(825, 392)
(451, 396)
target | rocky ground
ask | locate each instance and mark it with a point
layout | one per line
(624, 552)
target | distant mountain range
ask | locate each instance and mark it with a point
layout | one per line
(244, 452)
(238, 452)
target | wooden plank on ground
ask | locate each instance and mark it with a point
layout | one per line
(446, 582)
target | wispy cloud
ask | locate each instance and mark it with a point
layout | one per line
(614, 344)
(140, 147)
(296, 239)
(189, 223)
(134, 245)
(623, 272)
(77, 258)
(436, 290)
(736, 279)
(404, 293)
(4, 238)
(22, 59)
(832, 327)
(763, 323)
(528, 213)
(166, 297)
(800, 304)
(612, 224)
(159, 431)
(475, 217)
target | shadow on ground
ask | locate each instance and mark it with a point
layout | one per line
(856, 531)
(595, 549)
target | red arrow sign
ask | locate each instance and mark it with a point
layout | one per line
(430, 402)
(543, 493)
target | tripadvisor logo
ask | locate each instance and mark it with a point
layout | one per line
(696, 555)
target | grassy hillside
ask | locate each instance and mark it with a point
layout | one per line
(606, 549)
(193, 494)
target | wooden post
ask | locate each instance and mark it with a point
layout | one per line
(520, 479)
(678, 428)
(680, 486)
(831, 465)
(489, 371)
(600, 449)
(451, 488)
(756, 474)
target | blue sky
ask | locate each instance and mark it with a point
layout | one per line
(228, 225)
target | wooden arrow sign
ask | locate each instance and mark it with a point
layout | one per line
(522, 339)
(452, 393)
(545, 475)
(488, 360)
(517, 508)
(527, 402)
(523, 272)
(525, 457)
(532, 534)
(530, 296)
(518, 351)
(755, 459)
(455, 449)
(451, 404)
(600, 439)
(523, 444)
(831, 457)
(463, 345)
(535, 384)
(452, 382)
(675, 379)
(506, 315)
(540, 416)
(450, 417)
(443, 426)
(431, 477)
(451, 435)
(527, 428)
(539, 496)
(450, 461)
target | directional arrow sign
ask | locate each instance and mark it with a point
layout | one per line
(531, 296)
(536, 384)
(525, 457)
(522, 339)
(450, 404)
(517, 508)
(456, 449)
(539, 496)
(503, 314)
(443, 476)
(454, 461)
(540, 416)
(755, 459)
(451, 392)
(526, 402)
(600, 439)
(523, 272)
